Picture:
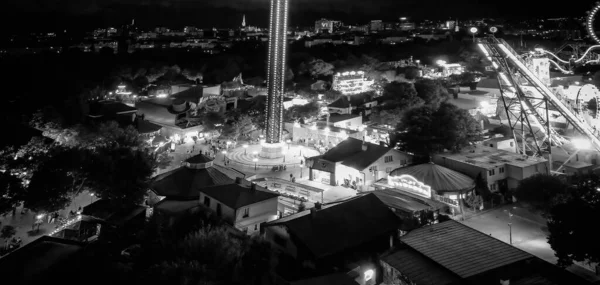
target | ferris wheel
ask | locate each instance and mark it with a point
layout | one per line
(589, 24)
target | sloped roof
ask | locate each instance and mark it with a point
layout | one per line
(185, 182)
(237, 196)
(398, 200)
(199, 158)
(354, 100)
(105, 211)
(342, 226)
(334, 118)
(145, 127)
(332, 279)
(43, 259)
(439, 178)
(350, 153)
(419, 268)
(461, 249)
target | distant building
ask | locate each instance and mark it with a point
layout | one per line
(356, 163)
(376, 25)
(353, 82)
(325, 25)
(499, 168)
(362, 103)
(453, 253)
(246, 207)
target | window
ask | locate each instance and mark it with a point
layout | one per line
(219, 210)
(388, 169)
(388, 158)
(491, 172)
(206, 201)
(256, 227)
(491, 145)
(501, 170)
(246, 213)
(512, 144)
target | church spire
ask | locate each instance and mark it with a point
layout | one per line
(244, 21)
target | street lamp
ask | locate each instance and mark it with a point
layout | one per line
(254, 153)
(300, 148)
(92, 197)
(228, 143)
(473, 31)
(224, 155)
(509, 227)
(245, 149)
(288, 142)
(284, 152)
(255, 161)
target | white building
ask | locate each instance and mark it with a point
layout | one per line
(356, 163)
(244, 207)
(353, 82)
(501, 169)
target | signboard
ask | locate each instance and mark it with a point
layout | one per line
(410, 184)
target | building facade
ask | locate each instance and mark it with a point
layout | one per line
(353, 82)
(502, 170)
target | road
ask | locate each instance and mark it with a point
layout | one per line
(529, 233)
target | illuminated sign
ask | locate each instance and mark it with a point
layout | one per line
(409, 183)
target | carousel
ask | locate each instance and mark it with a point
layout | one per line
(430, 182)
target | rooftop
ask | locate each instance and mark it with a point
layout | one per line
(354, 100)
(35, 262)
(237, 196)
(186, 181)
(402, 200)
(350, 153)
(341, 226)
(419, 268)
(332, 279)
(334, 118)
(439, 178)
(462, 250)
(489, 158)
(105, 211)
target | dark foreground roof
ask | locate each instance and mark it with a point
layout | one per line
(461, 249)
(185, 182)
(46, 259)
(105, 211)
(332, 279)
(419, 268)
(351, 154)
(237, 196)
(342, 226)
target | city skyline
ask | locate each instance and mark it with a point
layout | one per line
(227, 14)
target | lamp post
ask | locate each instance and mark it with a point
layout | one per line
(284, 153)
(509, 226)
(228, 143)
(288, 143)
(254, 153)
(473, 31)
(300, 148)
(245, 149)
(92, 198)
(255, 162)
(224, 155)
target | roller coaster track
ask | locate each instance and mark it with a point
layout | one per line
(579, 60)
(528, 100)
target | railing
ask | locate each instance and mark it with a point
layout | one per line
(445, 200)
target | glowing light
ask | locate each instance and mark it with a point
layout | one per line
(40, 216)
(326, 129)
(313, 127)
(224, 152)
(484, 104)
(581, 143)
(369, 274)
(409, 183)
(255, 159)
(245, 146)
(440, 62)
(67, 224)
(473, 30)
(161, 95)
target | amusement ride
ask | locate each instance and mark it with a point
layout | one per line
(541, 117)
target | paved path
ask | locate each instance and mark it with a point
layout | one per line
(529, 233)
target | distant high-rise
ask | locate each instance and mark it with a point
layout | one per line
(272, 147)
(244, 21)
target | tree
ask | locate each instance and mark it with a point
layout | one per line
(390, 117)
(411, 72)
(318, 67)
(572, 236)
(425, 130)
(332, 95)
(241, 125)
(56, 180)
(192, 74)
(541, 192)
(401, 94)
(210, 120)
(7, 232)
(301, 206)
(474, 201)
(302, 112)
(120, 174)
(11, 191)
(432, 92)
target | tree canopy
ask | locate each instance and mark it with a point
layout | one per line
(541, 192)
(432, 92)
(302, 112)
(572, 236)
(425, 130)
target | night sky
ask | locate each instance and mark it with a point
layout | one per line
(51, 14)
